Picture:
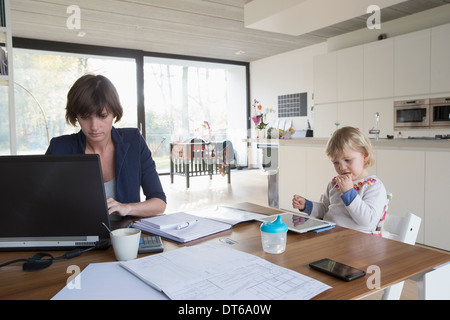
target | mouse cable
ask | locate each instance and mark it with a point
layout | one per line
(39, 260)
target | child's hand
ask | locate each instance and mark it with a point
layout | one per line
(298, 202)
(345, 182)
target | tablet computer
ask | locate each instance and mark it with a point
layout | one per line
(299, 223)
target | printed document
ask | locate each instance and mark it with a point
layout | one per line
(214, 271)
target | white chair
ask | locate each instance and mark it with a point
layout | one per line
(435, 284)
(404, 229)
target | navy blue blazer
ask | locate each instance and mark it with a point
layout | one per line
(134, 165)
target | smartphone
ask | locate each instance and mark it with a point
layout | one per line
(337, 269)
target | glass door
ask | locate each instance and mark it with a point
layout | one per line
(190, 99)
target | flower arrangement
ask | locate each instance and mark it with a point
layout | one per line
(259, 117)
(205, 125)
(274, 133)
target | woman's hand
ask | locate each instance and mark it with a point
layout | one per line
(115, 207)
(298, 202)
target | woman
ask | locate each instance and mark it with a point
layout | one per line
(126, 160)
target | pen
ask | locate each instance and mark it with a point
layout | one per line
(186, 224)
(324, 229)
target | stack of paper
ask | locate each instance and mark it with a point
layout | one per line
(206, 271)
(213, 271)
(181, 226)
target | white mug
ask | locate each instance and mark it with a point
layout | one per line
(125, 243)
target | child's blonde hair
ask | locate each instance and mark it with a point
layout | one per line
(349, 138)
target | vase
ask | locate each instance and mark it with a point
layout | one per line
(260, 133)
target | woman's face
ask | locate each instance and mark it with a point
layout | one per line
(96, 127)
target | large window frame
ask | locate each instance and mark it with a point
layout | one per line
(138, 55)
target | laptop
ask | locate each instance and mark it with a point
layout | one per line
(52, 202)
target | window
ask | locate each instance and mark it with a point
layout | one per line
(4, 121)
(42, 81)
(190, 99)
(169, 97)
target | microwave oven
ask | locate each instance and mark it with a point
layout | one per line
(440, 112)
(411, 113)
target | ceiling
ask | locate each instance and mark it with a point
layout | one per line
(203, 28)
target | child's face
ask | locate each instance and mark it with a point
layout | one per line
(350, 162)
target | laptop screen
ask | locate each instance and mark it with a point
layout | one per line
(52, 196)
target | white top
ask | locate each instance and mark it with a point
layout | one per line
(110, 188)
(362, 214)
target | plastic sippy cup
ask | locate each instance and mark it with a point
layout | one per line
(273, 236)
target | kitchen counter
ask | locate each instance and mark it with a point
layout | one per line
(266, 141)
(413, 170)
(407, 144)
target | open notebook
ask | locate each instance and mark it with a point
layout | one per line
(216, 272)
(184, 227)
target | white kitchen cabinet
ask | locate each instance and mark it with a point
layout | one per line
(351, 113)
(379, 69)
(350, 78)
(292, 179)
(385, 108)
(440, 63)
(414, 171)
(325, 89)
(412, 63)
(403, 174)
(437, 191)
(325, 117)
(319, 174)
(306, 172)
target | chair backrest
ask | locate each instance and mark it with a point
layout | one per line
(385, 209)
(225, 151)
(404, 229)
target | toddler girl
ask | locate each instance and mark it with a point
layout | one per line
(353, 199)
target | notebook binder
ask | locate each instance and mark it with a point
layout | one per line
(167, 226)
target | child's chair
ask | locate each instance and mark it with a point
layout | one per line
(404, 229)
(435, 284)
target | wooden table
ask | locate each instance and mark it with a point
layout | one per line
(397, 261)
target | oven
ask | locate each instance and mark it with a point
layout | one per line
(440, 112)
(411, 113)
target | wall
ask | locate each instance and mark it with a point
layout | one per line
(419, 21)
(286, 73)
(291, 72)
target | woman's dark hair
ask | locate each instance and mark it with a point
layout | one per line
(91, 94)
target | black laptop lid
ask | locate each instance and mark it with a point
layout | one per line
(52, 196)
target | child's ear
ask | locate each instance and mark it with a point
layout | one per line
(366, 159)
